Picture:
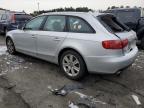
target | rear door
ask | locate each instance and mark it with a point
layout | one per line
(120, 30)
(51, 36)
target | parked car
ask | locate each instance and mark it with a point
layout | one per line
(12, 20)
(78, 42)
(133, 18)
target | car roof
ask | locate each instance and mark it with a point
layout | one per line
(74, 13)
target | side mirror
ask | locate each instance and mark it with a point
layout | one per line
(24, 28)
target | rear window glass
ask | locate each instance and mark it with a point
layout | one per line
(112, 24)
(22, 17)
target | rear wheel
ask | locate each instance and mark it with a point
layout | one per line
(73, 65)
(10, 46)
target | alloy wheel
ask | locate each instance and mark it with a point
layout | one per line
(71, 65)
(10, 46)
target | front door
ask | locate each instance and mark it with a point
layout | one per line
(25, 39)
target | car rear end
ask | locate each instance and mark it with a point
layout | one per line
(117, 52)
(17, 20)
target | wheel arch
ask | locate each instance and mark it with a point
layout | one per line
(9, 37)
(69, 48)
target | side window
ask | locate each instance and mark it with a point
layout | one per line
(35, 23)
(78, 25)
(4, 17)
(55, 23)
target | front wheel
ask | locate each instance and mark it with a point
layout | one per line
(73, 65)
(10, 46)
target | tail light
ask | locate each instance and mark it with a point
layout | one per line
(115, 44)
(13, 18)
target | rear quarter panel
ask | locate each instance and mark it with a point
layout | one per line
(88, 45)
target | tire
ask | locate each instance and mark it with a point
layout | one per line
(73, 65)
(10, 46)
(142, 43)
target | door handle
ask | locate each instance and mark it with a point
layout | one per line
(57, 39)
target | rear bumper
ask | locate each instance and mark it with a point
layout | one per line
(110, 65)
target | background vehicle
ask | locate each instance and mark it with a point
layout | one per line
(133, 18)
(12, 20)
(77, 42)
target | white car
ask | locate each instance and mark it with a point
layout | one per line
(79, 42)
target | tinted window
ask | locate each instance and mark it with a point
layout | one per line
(35, 24)
(4, 17)
(55, 23)
(22, 17)
(128, 16)
(78, 25)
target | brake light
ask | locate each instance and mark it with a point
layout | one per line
(115, 44)
(13, 18)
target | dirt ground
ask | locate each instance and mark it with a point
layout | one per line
(25, 82)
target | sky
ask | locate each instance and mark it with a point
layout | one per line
(32, 5)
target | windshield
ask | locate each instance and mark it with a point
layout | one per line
(112, 24)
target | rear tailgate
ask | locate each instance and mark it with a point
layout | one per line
(131, 36)
(114, 26)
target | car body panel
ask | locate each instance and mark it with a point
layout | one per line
(131, 36)
(24, 41)
(48, 44)
(110, 65)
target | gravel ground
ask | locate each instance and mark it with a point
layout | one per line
(25, 82)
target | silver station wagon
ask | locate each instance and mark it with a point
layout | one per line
(78, 42)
